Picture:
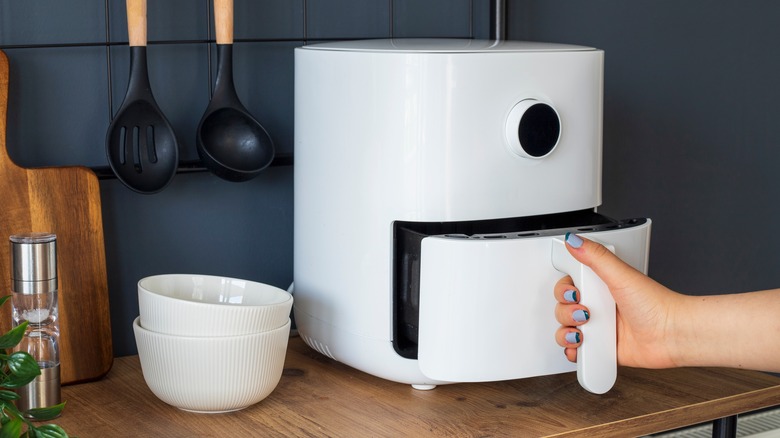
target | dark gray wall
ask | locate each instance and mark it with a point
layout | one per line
(69, 69)
(691, 128)
(690, 135)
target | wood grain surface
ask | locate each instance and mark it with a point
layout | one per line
(64, 201)
(223, 21)
(319, 397)
(136, 22)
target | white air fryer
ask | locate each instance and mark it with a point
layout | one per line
(434, 183)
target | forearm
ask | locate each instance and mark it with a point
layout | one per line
(736, 331)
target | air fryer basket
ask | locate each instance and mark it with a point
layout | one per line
(407, 241)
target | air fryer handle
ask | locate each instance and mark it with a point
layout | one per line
(597, 355)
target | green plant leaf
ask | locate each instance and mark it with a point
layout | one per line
(11, 410)
(4, 299)
(23, 365)
(4, 418)
(12, 429)
(8, 395)
(14, 381)
(50, 431)
(45, 414)
(13, 337)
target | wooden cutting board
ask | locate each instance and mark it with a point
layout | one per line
(64, 201)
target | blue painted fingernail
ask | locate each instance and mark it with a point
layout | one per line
(580, 315)
(573, 240)
(573, 338)
(570, 296)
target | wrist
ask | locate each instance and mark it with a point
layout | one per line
(680, 332)
(691, 331)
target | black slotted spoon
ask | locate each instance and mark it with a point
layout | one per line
(141, 144)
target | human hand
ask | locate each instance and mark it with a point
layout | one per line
(645, 308)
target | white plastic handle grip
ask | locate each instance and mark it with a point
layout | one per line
(597, 355)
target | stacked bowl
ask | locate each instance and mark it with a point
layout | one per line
(211, 344)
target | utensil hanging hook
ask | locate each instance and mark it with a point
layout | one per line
(498, 20)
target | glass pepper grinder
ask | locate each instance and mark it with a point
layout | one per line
(34, 287)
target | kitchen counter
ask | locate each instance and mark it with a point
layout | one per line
(320, 397)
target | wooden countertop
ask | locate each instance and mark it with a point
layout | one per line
(320, 397)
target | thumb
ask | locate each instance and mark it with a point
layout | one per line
(616, 273)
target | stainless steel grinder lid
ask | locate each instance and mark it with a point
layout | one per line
(34, 262)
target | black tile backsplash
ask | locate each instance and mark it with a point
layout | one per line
(168, 20)
(688, 121)
(436, 18)
(46, 22)
(57, 104)
(180, 35)
(69, 70)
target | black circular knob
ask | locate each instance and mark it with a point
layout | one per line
(533, 129)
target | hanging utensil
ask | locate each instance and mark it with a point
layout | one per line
(231, 143)
(141, 144)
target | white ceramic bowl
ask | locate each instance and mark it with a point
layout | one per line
(205, 305)
(212, 374)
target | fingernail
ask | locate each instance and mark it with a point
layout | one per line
(570, 296)
(573, 337)
(573, 240)
(580, 315)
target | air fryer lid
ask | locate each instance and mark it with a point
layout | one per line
(444, 45)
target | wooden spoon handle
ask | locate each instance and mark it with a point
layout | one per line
(136, 22)
(223, 21)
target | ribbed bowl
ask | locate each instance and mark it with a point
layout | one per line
(206, 305)
(212, 374)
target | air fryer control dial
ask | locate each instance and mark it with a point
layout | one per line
(533, 129)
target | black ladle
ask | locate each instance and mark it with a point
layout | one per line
(140, 143)
(231, 143)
